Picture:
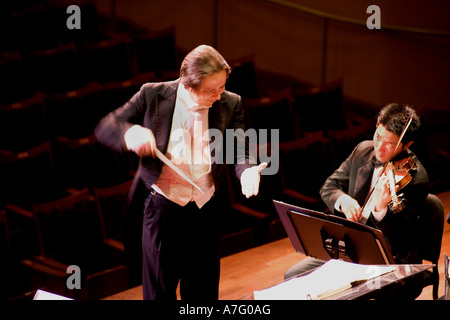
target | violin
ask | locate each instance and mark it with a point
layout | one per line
(399, 177)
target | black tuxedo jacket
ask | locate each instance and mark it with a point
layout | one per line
(354, 178)
(152, 107)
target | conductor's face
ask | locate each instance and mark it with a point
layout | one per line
(211, 89)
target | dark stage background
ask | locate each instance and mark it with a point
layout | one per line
(311, 69)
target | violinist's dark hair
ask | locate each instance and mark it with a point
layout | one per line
(394, 116)
(200, 63)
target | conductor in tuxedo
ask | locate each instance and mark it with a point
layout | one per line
(180, 235)
(346, 190)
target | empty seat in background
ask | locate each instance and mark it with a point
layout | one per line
(85, 163)
(57, 69)
(28, 175)
(242, 79)
(272, 112)
(70, 234)
(239, 213)
(320, 107)
(14, 80)
(20, 277)
(90, 28)
(118, 93)
(237, 241)
(25, 177)
(342, 142)
(109, 59)
(26, 25)
(155, 51)
(111, 202)
(74, 114)
(305, 163)
(23, 123)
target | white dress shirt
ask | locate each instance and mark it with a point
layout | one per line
(189, 150)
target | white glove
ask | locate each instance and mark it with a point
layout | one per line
(250, 180)
(141, 141)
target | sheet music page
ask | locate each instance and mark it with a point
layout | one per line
(332, 277)
(44, 295)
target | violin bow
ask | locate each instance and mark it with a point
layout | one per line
(364, 219)
(408, 122)
(405, 127)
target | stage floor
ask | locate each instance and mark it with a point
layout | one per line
(263, 266)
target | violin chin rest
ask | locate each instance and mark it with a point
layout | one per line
(396, 207)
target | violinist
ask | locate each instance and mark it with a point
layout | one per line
(363, 174)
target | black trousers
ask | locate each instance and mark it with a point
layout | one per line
(180, 244)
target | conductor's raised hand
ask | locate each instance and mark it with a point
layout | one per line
(141, 141)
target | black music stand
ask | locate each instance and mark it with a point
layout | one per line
(447, 276)
(326, 236)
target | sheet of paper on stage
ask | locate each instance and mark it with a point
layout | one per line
(44, 295)
(332, 277)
